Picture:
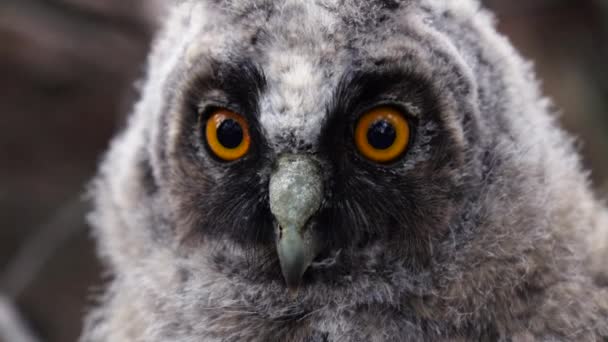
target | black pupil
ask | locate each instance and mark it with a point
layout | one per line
(230, 133)
(381, 135)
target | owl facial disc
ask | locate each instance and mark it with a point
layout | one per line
(296, 192)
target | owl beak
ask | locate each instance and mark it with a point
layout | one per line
(296, 192)
(296, 252)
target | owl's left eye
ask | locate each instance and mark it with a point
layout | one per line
(227, 135)
(382, 134)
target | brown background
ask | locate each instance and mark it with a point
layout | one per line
(67, 77)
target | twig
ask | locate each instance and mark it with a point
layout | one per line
(12, 325)
(41, 246)
(29, 261)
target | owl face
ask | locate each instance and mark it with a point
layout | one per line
(302, 154)
(341, 170)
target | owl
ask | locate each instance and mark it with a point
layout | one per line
(344, 170)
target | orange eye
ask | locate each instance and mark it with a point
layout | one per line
(227, 135)
(382, 134)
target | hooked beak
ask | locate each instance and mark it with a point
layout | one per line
(296, 192)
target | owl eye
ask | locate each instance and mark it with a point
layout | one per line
(227, 135)
(382, 134)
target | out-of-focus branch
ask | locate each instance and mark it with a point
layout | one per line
(67, 66)
(29, 261)
(12, 326)
(41, 246)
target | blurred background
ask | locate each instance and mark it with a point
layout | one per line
(68, 71)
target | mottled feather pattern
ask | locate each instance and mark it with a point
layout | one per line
(485, 230)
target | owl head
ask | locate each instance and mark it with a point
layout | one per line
(290, 156)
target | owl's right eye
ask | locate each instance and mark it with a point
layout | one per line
(227, 135)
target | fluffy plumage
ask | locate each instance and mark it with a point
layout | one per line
(485, 230)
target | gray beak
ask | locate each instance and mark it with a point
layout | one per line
(296, 192)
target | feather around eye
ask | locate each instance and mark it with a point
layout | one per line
(382, 134)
